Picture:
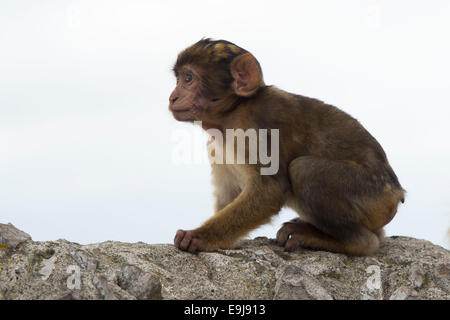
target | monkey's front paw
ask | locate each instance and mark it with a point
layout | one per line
(188, 241)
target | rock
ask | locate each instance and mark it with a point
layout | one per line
(47, 269)
(142, 285)
(11, 237)
(403, 293)
(442, 276)
(101, 283)
(84, 259)
(294, 283)
(404, 268)
(416, 275)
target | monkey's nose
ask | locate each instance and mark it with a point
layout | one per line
(173, 98)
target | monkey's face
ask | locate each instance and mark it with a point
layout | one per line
(211, 77)
(185, 102)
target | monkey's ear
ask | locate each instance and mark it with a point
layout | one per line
(247, 75)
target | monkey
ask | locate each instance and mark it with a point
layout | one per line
(331, 170)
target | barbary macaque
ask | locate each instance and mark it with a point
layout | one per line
(330, 170)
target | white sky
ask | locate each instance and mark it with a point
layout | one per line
(86, 139)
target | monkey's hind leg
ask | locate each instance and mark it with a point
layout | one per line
(296, 233)
(343, 208)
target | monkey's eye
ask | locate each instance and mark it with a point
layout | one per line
(188, 77)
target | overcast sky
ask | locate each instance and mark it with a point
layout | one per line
(86, 139)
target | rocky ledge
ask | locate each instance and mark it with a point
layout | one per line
(404, 268)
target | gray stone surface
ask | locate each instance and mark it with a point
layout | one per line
(142, 285)
(10, 236)
(404, 268)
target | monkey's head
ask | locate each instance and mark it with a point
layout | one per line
(212, 77)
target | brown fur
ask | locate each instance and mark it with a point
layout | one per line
(331, 170)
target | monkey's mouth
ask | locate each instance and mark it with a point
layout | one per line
(182, 110)
(179, 108)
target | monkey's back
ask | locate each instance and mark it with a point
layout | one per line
(310, 127)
